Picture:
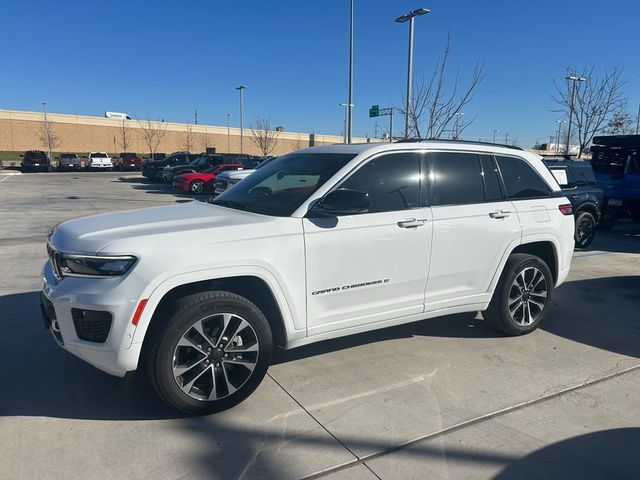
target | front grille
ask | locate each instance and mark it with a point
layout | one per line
(92, 325)
(54, 259)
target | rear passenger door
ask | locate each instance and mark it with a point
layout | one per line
(473, 226)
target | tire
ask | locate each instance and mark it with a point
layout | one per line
(175, 340)
(585, 230)
(523, 320)
(158, 176)
(197, 187)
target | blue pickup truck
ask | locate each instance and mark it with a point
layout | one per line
(616, 162)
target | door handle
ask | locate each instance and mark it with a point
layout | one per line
(412, 222)
(499, 214)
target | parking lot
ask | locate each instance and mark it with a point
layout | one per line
(443, 398)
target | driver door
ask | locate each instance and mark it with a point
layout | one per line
(370, 267)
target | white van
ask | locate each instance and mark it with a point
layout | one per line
(121, 116)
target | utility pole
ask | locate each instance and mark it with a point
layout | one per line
(494, 135)
(574, 79)
(375, 131)
(456, 126)
(391, 125)
(195, 116)
(241, 88)
(638, 120)
(560, 122)
(350, 99)
(506, 138)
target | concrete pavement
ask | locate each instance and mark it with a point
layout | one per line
(443, 398)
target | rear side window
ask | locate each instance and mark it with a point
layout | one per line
(520, 179)
(562, 176)
(392, 182)
(456, 178)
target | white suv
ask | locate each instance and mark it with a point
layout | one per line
(320, 243)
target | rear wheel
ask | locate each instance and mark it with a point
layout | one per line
(197, 186)
(585, 230)
(523, 295)
(209, 353)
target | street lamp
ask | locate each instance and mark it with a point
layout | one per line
(346, 110)
(494, 135)
(402, 19)
(228, 133)
(456, 125)
(573, 79)
(560, 122)
(241, 88)
(46, 125)
(349, 107)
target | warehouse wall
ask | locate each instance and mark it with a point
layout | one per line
(19, 131)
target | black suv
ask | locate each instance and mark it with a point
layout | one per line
(579, 184)
(205, 162)
(152, 169)
(35, 160)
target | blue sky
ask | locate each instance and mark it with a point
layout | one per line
(170, 58)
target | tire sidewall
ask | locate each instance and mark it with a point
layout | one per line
(505, 287)
(173, 330)
(196, 182)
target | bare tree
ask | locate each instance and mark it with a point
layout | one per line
(125, 136)
(263, 136)
(188, 142)
(620, 123)
(47, 135)
(596, 100)
(437, 103)
(152, 134)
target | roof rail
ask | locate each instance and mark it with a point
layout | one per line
(448, 140)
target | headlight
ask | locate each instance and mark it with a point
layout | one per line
(65, 264)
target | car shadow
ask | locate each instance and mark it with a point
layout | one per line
(155, 188)
(624, 237)
(45, 380)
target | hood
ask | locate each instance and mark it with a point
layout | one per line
(174, 226)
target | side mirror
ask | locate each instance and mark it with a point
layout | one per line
(343, 202)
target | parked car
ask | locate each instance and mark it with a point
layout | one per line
(199, 164)
(70, 161)
(152, 169)
(616, 163)
(35, 161)
(127, 162)
(226, 180)
(578, 183)
(321, 243)
(200, 182)
(118, 115)
(99, 161)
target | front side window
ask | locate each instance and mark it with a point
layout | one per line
(520, 179)
(392, 182)
(456, 178)
(280, 187)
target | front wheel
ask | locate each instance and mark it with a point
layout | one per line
(585, 230)
(196, 186)
(523, 295)
(209, 353)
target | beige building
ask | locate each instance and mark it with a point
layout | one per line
(20, 131)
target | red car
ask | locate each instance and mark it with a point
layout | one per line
(199, 182)
(127, 162)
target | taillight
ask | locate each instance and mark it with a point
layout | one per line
(566, 209)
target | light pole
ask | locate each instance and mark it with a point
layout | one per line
(456, 126)
(349, 107)
(402, 19)
(638, 121)
(560, 122)
(241, 88)
(494, 135)
(574, 79)
(46, 125)
(228, 133)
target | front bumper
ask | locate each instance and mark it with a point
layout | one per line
(119, 296)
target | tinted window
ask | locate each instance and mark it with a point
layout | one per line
(456, 178)
(281, 187)
(392, 182)
(520, 179)
(492, 188)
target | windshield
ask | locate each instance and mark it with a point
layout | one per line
(280, 187)
(99, 155)
(69, 156)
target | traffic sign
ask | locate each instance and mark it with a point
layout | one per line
(374, 111)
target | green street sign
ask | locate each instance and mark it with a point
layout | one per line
(374, 111)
